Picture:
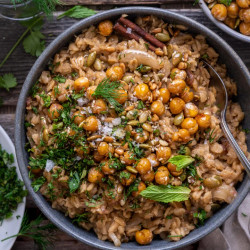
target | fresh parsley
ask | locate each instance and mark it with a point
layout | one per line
(7, 81)
(181, 161)
(140, 105)
(37, 183)
(225, 2)
(166, 194)
(78, 12)
(201, 215)
(74, 182)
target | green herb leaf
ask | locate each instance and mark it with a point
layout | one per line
(60, 78)
(140, 105)
(8, 81)
(74, 182)
(201, 215)
(181, 161)
(166, 194)
(225, 2)
(34, 44)
(78, 12)
(36, 184)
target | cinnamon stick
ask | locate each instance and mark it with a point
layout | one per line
(141, 32)
(127, 32)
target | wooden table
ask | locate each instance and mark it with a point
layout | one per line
(20, 63)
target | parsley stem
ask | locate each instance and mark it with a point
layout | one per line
(18, 42)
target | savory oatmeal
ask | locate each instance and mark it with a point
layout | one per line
(124, 132)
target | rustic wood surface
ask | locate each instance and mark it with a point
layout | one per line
(20, 63)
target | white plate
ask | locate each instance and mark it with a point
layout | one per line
(12, 225)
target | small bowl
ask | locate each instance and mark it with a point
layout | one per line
(221, 25)
(237, 70)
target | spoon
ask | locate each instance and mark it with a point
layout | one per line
(222, 101)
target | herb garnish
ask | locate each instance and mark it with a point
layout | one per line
(166, 194)
(7, 81)
(74, 182)
(225, 2)
(181, 161)
(201, 215)
(37, 183)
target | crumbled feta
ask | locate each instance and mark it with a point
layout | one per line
(116, 121)
(82, 101)
(49, 165)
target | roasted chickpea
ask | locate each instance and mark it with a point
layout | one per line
(106, 168)
(187, 95)
(164, 95)
(103, 148)
(115, 73)
(163, 154)
(190, 124)
(162, 176)
(173, 170)
(128, 158)
(149, 176)
(127, 178)
(178, 74)
(190, 110)
(143, 166)
(54, 111)
(158, 108)
(243, 3)
(153, 160)
(122, 96)
(233, 10)
(244, 15)
(90, 92)
(245, 28)
(82, 150)
(230, 22)
(141, 187)
(78, 117)
(143, 237)
(142, 91)
(98, 106)
(141, 137)
(203, 120)
(95, 175)
(105, 28)
(176, 105)
(182, 135)
(176, 86)
(81, 83)
(97, 157)
(219, 11)
(90, 124)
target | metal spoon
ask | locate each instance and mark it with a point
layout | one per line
(222, 101)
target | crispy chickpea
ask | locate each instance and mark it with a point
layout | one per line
(81, 83)
(182, 135)
(153, 160)
(122, 96)
(233, 10)
(173, 170)
(149, 176)
(54, 111)
(158, 108)
(128, 158)
(90, 124)
(105, 28)
(162, 176)
(106, 169)
(245, 28)
(143, 166)
(163, 154)
(203, 120)
(219, 11)
(143, 237)
(82, 150)
(142, 91)
(90, 91)
(176, 86)
(97, 157)
(99, 106)
(242, 3)
(141, 137)
(115, 73)
(164, 95)
(95, 175)
(190, 110)
(178, 74)
(244, 15)
(190, 124)
(141, 187)
(176, 105)
(103, 148)
(230, 22)
(187, 95)
(128, 179)
(78, 117)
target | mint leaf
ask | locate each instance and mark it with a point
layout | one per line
(78, 12)
(166, 194)
(74, 182)
(34, 43)
(181, 161)
(8, 81)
